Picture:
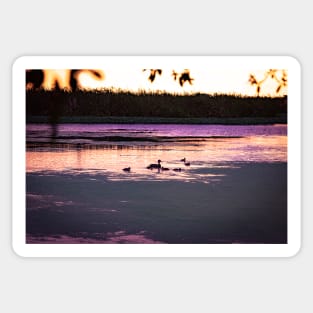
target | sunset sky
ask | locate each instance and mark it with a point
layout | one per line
(205, 80)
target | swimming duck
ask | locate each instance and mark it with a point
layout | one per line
(177, 169)
(153, 165)
(126, 169)
(186, 163)
(164, 168)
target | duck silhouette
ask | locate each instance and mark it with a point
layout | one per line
(154, 165)
(165, 168)
(126, 169)
(178, 169)
(186, 163)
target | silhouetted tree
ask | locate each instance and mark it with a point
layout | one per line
(183, 77)
(270, 74)
(281, 81)
(34, 78)
(153, 74)
(55, 110)
(253, 81)
(74, 81)
(174, 74)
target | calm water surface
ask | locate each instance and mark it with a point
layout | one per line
(234, 191)
(108, 148)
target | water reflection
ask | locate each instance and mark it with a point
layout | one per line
(110, 159)
(69, 199)
(81, 131)
(118, 237)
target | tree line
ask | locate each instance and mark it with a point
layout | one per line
(107, 102)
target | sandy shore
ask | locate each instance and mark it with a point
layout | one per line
(247, 205)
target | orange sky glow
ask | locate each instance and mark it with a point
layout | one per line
(205, 81)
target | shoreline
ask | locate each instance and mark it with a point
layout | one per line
(159, 120)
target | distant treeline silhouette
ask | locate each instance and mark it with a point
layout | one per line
(107, 103)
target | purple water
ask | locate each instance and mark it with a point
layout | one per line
(171, 130)
(108, 148)
(233, 191)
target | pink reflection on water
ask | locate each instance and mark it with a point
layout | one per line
(171, 130)
(108, 148)
(119, 237)
(38, 202)
(111, 160)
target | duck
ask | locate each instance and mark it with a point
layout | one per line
(186, 163)
(177, 169)
(126, 169)
(154, 165)
(165, 168)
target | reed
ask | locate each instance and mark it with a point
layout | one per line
(120, 103)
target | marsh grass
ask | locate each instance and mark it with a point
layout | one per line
(108, 103)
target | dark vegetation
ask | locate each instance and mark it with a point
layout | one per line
(108, 103)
